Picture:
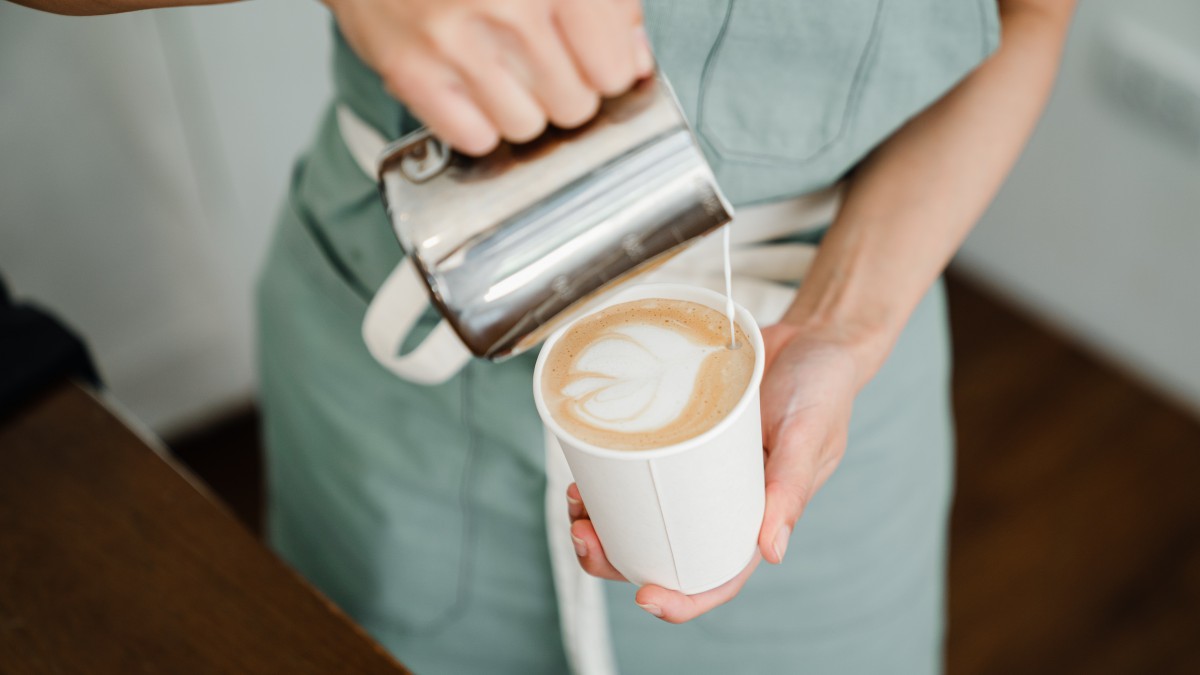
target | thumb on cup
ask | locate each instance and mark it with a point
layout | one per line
(785, 504)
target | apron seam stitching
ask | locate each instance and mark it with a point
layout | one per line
(321, 240)
(466, 559)
(857, 84)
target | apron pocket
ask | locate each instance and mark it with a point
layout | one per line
(370, 474)
(808, 60)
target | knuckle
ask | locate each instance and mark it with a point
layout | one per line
(634, 12)
(398, 75)
(444, 34)
(519, 14)
(794, 498)
(798, 504)
(677, 618)
(592, 566)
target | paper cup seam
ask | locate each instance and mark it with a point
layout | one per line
(662, 514)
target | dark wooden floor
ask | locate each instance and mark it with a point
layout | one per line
(1076, 530)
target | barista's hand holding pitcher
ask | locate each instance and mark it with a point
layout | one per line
(477, 71)
(807, 393)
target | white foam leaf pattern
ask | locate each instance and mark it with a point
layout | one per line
(639, 378)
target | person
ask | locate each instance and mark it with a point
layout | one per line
(420, 509)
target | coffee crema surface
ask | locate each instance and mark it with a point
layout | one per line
(646, 374)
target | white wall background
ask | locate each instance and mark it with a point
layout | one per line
(142, 158)
(1098, 228)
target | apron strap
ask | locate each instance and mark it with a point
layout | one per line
(391, 316)
(400, 301)
(582, 609)
(362, 140)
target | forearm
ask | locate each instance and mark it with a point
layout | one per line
(93, 7)
(909, 206)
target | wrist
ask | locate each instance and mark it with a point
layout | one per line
(866, 336)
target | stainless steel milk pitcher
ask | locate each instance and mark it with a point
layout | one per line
(510, 243)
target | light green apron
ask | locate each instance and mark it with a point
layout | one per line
(419, 509)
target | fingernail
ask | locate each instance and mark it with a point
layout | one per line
(580, 546)
(572, 501)
(643, 58)
(781, 542)
(653, 609)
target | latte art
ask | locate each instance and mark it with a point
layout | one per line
(635, 378)
(646, 374)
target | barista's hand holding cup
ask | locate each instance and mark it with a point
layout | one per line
(658, 416)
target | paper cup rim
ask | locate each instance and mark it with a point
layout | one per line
(671, 291)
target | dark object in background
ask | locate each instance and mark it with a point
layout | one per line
(227, 454)
(36, 351)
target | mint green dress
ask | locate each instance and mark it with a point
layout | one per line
(419, 510)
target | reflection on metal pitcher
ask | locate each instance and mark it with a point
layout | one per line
(511, 242)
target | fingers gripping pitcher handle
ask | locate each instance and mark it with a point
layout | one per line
(391, 316)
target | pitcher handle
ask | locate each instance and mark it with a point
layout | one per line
(392, 314)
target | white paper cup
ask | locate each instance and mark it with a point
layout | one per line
(683, 516)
